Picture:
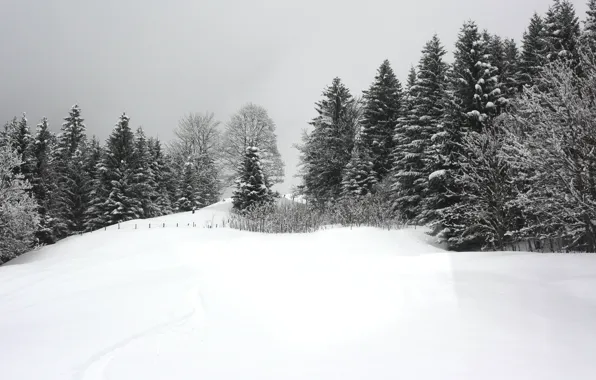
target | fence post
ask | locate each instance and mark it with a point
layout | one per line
(118, 225)
(164, 225)
(135, 226)
(105, 228)
(149, 225)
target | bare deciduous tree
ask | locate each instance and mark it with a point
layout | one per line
(252, 126)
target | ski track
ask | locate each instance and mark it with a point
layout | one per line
(94, 368)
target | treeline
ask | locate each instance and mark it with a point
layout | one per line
(53, 186)
(495, 150)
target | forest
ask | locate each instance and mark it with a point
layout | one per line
(495, 150)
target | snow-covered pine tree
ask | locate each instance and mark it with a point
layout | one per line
(122, 203)
(207, 180)
(359, 176)
(474, 80)
(383, 103)
(473, 98)
(510, 74)
(328, 148)
(44, 181)
(72, 181)
(588, 35)
(252, 186)
(19, 219)
(21, 141)
(561, 31)
(165, 184)
(420, 123)
(94, 166)
(189, 197)
(534, 50)
(145, 185)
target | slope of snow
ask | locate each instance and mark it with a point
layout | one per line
(198, 303)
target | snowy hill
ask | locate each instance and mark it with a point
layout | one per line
(199, 303)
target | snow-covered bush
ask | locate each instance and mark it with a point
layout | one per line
(19, 219)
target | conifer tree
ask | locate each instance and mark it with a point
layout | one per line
(474, 80)
(189, 198)
(165, 184)
(562, 31)
(328, 149)
(383, 102)
(72, 181)
(144, 177)
(43, 181)
(533, 55)
(359, 175)
(510, 74)
(97, 173)
(589, 30)
(21, 141)
(252, 186)
(474, 98)
(122, 203)
(420, 124)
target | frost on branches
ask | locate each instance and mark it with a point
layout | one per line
(19, 219)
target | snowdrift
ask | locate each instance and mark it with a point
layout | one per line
(215, 303)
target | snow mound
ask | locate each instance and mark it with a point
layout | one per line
(216, 303)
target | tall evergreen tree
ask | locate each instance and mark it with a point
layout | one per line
(328, 149)
(21, 141)
(189, 197)
(44, 182)
(97, 173)
(533, 55)
(72, 181)
(589, 31)
(510, 74)
(474, 97)
(474, 80)
(383, 102)
(122, 203)
(562, 31)
(422, 121)
(359, 175)
(144, 176)
(252, 186)
(165, 184)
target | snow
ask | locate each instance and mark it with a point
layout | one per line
(198, 303)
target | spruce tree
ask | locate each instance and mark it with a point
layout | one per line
(473, 98)
(510, 74)
(252, 186)
(474, 80)
(144, 176)
(189, 198)
(72, 181)
(359, 175)
(328, 149)
(21, 141)
(94, 166)
(383, 102)
(589, 30)
(165, 184)
(561, 32)
(122, 203)
(44, 181)
(533, 55)
(421, 123)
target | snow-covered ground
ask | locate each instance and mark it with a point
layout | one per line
(198, 303)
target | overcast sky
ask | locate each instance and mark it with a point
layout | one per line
(157, 60)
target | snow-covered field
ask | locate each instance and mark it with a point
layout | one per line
(197, 303)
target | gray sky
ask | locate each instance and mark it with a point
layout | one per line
(157, 60)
